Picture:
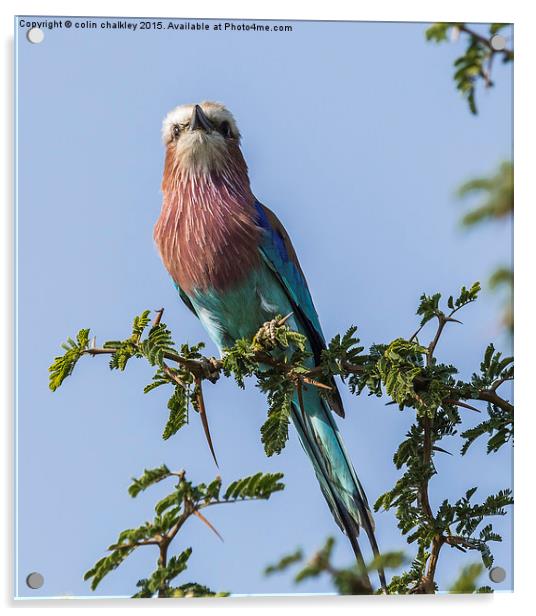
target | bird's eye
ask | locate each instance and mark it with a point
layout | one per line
(225, 129)
(176, 131)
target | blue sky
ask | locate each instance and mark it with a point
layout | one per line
(356, 137)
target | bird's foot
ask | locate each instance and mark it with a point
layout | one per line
(268, 331)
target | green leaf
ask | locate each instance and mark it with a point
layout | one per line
(157, 344)
(341, 350)
(496, 28)
(429, 307)
(157, 382)
(193, 589)
(284, 562)
(438, 32)
(213, 489)
(105, 565)
(467, 580)
(274, 431)
(150, 477)
(258, 486)
(139, 324)
(159, 580)
(178, 412)
(318, 563)
(177, 564)
(124, 351)
(165, 503)
(63, 365)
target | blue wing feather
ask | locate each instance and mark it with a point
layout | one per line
(337, 477)
(278, 252)
(280, 256)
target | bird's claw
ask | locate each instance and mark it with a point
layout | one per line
(268, 330)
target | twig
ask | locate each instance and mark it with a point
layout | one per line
(499, 382)
(487, 42)
(457, 541)
(442, 321)
(427, 584)
(135, 544)
(491, 396)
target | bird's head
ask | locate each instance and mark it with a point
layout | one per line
(200, 139)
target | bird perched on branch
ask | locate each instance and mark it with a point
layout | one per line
(235, 268)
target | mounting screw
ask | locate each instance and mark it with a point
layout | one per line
(35, 35)
(35, 580)
(497, 575)
(498, 42)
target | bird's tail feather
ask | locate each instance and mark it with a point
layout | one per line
(340, 485)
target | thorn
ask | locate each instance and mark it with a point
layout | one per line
(173, 375)
(451, 320)
(205, 521)
(285, 319)
(463, 404)
(93, 344)
(204, 419)
(309, 381)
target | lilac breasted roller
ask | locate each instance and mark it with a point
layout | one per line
(235, 268)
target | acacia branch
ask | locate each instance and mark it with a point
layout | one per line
(487, 42)
(421, 383)
(271, 348)
(427, 426)
(135, 544)
(210, 368)
(427, 585)
(193, 365)
(459, 541)
(491, 396)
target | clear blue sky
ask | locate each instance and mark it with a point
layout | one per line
(356, 137)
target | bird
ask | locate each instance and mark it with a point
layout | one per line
(234, 266)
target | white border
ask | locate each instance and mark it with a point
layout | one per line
(518, 11)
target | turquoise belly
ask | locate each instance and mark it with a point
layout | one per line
(240, 311)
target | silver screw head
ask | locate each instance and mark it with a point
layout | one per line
(498, 42)
(497, 575)
(34, 580)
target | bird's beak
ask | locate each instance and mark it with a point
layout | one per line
(199, 120)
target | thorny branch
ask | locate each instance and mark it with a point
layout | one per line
(275, 347)
(172, 512)
(210, 368)
(508, 53)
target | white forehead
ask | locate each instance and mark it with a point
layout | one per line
(182, 114)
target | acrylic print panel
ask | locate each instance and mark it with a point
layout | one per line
(385, 151)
